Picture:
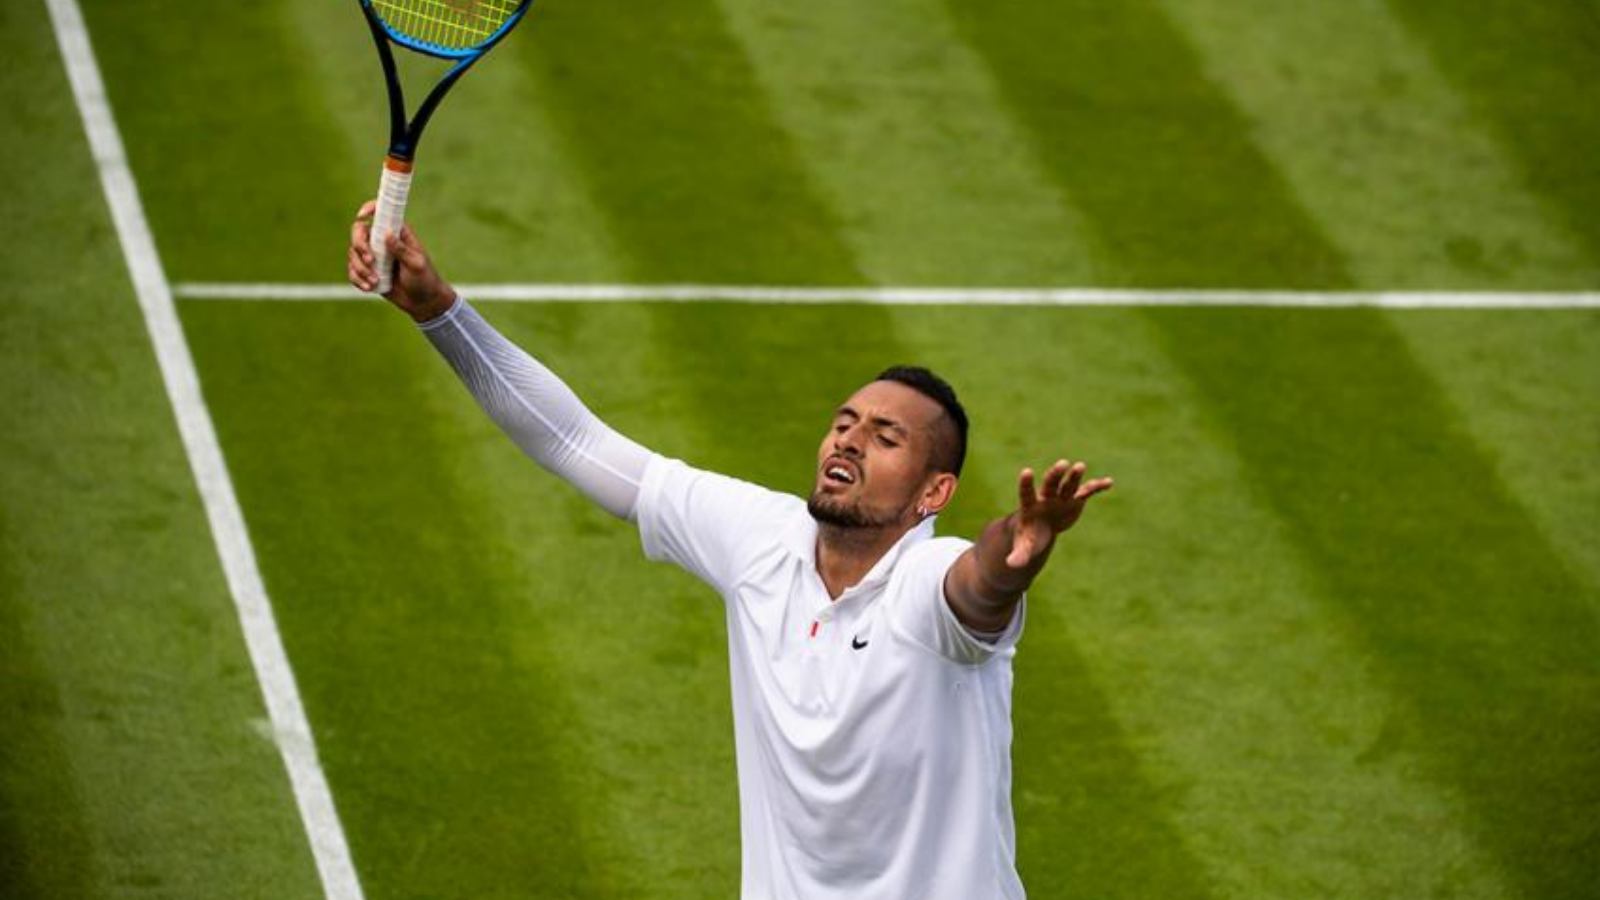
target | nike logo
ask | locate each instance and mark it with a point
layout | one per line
(856, 643)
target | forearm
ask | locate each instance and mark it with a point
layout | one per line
(538, 411)
(981, 588)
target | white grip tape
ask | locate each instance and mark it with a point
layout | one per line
(393, 190)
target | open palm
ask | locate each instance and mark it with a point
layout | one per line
(1046, 512)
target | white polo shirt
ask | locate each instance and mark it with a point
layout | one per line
(872, 732)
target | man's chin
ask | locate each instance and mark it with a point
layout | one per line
(840, 514)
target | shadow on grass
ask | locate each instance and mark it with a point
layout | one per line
(44, 851)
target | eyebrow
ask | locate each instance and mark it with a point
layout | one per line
(880, 421)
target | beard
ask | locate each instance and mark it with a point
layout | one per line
(845, 513)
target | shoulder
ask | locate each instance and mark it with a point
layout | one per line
(933, 556)
(672, 483)
(921, 613)
(918, 576)
(711, 524)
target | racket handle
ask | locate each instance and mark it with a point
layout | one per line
(393, 191)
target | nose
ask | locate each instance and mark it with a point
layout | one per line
(848, 442)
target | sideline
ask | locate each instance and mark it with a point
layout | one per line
(290, 728)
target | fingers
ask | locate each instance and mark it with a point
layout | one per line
(1064, 481)
(359, 274)
(415, 255)
(360, 262)
(361, 228)
(1096, 486)
(1026, 497)
(1052, 478)
(406, 249)
(1069, 487)
(399, 254)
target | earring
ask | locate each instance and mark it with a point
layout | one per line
(922, 510)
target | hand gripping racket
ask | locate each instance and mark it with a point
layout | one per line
(458, 30)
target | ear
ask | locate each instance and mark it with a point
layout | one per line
(937, 493)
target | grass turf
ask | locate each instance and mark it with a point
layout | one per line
(133, 758)
(1332, 635)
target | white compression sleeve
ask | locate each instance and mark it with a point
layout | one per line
(539, 412)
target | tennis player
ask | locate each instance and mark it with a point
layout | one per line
(870, 660)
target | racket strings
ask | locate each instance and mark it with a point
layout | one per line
(451, 24)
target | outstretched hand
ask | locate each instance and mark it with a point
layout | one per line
(1043, 514)
(418, 289)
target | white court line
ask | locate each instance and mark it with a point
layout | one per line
(289, 724)
(923, 296)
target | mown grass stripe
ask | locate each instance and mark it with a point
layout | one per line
(1530, 70)
(46, 834)
(120, 636)
(1447, 584)
(290, 728)
(226, 161)
(639, 646)
(448, 741)
(1096, 87)
(903, 130)
(1524, 387)
(1382, 149)
(45, 846)
(299, 225)
(1461, 603)
(694, 178)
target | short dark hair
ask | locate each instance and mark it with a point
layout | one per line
(947, 455)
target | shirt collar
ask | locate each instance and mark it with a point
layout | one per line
(800, 539)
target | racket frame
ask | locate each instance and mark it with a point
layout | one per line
(395, 184)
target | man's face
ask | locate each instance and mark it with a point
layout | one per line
(873, 465)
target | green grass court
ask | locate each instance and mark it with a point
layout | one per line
(1335, 634)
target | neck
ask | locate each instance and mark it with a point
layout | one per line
(846, 555)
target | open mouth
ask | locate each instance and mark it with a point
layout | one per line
(840, 473)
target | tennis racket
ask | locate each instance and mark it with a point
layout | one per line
(461, 31)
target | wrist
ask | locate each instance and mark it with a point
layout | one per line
(435, 307)
(994, 548)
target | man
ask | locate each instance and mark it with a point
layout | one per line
(870, 661)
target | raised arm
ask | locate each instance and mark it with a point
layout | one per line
(533, 406)
(986, 582)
